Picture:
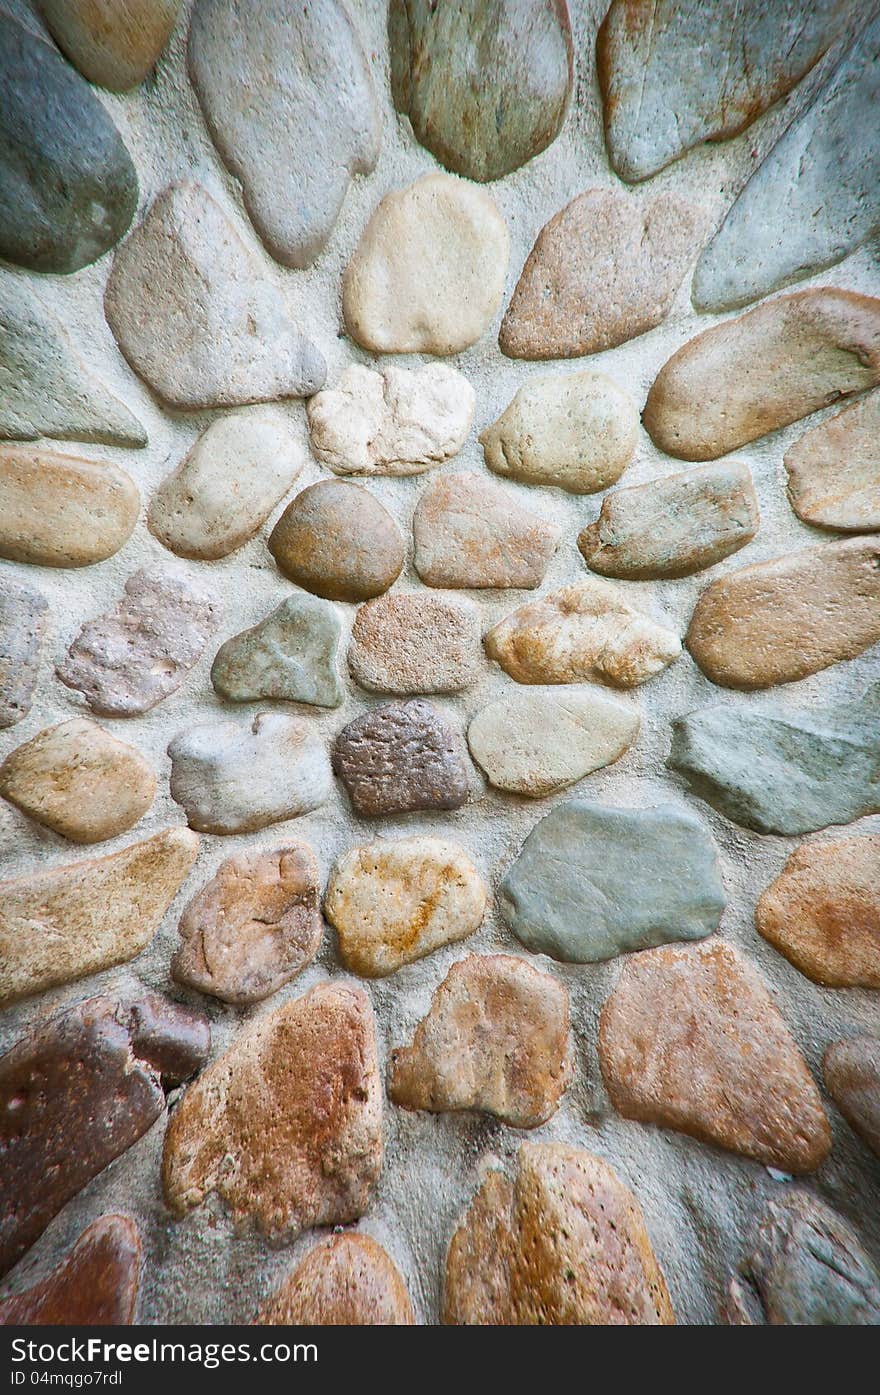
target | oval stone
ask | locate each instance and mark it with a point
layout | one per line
(115, 42)
(834, 470)
(470, 532)
(336, 540)
(63, 510)
(345, 1281)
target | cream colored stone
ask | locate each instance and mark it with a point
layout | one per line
(63, 510)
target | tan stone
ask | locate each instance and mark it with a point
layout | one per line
(336, 540)
(415, 642)
(852, 1078)
(63, 510)
(286, 1125)
(691, 1040)
(112, 42)
(823, 911)
(495, 1039)
(563, 1244)
(61, 924)
(395, 901)
(346, 1281)
(79, 781)
(834, 469)
(781, 620)
(471, 532)
(584, 631)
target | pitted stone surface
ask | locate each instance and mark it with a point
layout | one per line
(852, 1077)
(400, 757)
(23, 612)
(415, 642)
(471, 532)
(337, 540)
(289, 655)
(346, 1281)
(63, 510)
(834, 469)
(113, 42)
(95, 1285)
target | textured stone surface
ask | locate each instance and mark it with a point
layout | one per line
(691, 1039)
(471, 532)
(291, 655)
(751, 375)
(68, 188)
(584, 631)
(834, 469)
(286, 1125)
(60, 924)
(400, 421)
(784, 770)
(574, 430)
(398, 297)
(852, 1077)
(670, 81)
(226, 486)
(400, 757)
(113, 42)
(46, 389)
(563, 1244)
(413, 642)
(336, 540)
(253, 927)
(235, 777)
(485, 83)
(127, 661)
(537, 741)
(396, 901)
(23, 612)
(824, 173)
(95, 1285)
(592, 882)
(495, 1039)
(293, 78)
(781, 620)
(346, 1281)
(101, 1060)
(603, 270)
(63, 510)
(186, 278)
(823, 911)
(78, 780)
(673, 525)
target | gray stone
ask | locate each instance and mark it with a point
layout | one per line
(290, 655)
(471, 532)
(784, 770)
(68, 188)
(186, 279)
(400, 757)
(592, 882)
(852, 1077)
(23, 612)
(415, 642)
(113, 42)
(336, 540)
(59, 510)
(834, 469)
(485, 83)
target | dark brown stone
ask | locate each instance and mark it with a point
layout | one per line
(95, 1286)
(402, 756)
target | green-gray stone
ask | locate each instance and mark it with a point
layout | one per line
(290, 655)
(592, 882)
(784, 770)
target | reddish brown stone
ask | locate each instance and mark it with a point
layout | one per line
(346, 1281)
(95, 1286)
(852, 1076)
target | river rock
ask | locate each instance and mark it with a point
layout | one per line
(23, 612)
(63, 510)
(413, 642)
(563, 1244)
(185, 278)
(95, 1285)
(294, 78)
(592, 882)
(574, 430)
(690, 1039)
(495, 1039)
(674, 525)
(61, 923)
(78, 780)
(584, 631)
(823, 911)
(396, 299)
(95, 1076)
(484, 128)
(781, 620)
(852, 1078)
(400, 757)
(286, 1126)
(115, 43)
(749, 376)
(253, 927)
(537, 741)
(824, 172)
(469, 531)
(345, 1281)
(400, 421)
(233, 777)
(605, 269)
(784, 770)
(834, 470)
(290, 655)
(227, 485)
(68, 188)
(127, 661)
(46, 389)
(336, 540)
(395, 901)
(669, 82)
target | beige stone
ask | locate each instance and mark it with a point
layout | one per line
(852, 1077)
(471, 532)
(834, 469)
(63, 510)
(336, 540)
(113, 42)
(415, 642)
(346, 1281)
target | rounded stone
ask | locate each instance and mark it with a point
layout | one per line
(63, 510)
(852, 1078)
(114, 43)
(336, 540)
(470, 532)
(346, 1281)
(834, 470)
(95, 1285)
(415, 642)
(400, 757)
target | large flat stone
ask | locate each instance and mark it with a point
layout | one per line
(290, 655)
(470, 532)
(95, 1285)
(23, 614)
(63, 510)
(345, 1281)
(834, 469)
(115, 42)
